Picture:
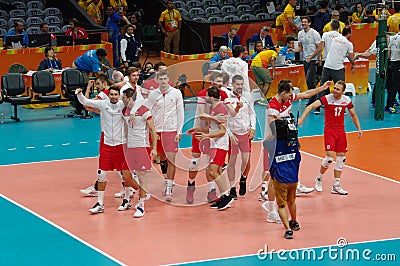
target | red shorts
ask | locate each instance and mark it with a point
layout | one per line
(112, 157)
(244, 144)
(335, 141)
(217, 156)
(265, 160)
(138, 159)
(202, 146)
(167, 143)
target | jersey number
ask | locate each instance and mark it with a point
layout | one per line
(338, 110)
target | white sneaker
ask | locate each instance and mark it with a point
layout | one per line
(168, 193)
(97, 208)
(126, 204)
(302, 189)
(139, 212)
(318, 184)
(121, 194)
(273, 217)
(338, 190)
(89, 192)
(263, 196)
(265, 206)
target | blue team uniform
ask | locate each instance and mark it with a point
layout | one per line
(88, 62)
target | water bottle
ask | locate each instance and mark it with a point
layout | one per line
(1, 118)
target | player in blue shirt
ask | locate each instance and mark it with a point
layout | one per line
(90, 61)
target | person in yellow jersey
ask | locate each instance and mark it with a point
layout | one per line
(116, 4)
(289, 26)
(170, 23)
(359, 14)
(279, 30)
(95, 12)
(82, 4)
(394, 20)
(335, 15)
(259, 66)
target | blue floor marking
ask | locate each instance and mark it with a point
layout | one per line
(28, 240)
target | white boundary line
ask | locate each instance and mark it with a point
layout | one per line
(62, 229)
(255, 254)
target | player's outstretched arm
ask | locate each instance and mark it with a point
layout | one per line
(309, 93)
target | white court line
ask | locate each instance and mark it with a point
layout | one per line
(59, 160)
(48, 145)
(66, 144)
(83, 142)
(255, 254)
(12, 149)
(62, 229)
(30, 147)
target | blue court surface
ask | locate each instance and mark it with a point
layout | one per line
(28, 239)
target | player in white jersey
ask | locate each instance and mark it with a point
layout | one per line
(327, 38)
(132, 73)
(236, 66)
(138, 154)
(219, 144)
(242, 127)
(166, 106)
(112, 150)
(334, 134)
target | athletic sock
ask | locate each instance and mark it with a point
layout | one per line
(319, 177)
(232, 183)
(336, 182)
(272, 205)
(127, 193)
(100, 197)
(211, 185)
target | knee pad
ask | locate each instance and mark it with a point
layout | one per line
(326, 162)
(340, 160)
(194, 164)
(101, 175)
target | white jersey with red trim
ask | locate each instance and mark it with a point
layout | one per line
(334, 111)
(221, 142)
(201, 100)
(245, 119)
(138, 132)
(167, 109)
(136, 88)
(277, 109)
(111, 117)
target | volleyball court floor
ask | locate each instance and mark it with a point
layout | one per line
(47, 159)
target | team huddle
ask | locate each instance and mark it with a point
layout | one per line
(139, 125)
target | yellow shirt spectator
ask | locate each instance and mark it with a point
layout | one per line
(279, 28)
(377, 16)
(82, 4)
(94, 11)
(327, 26)
(357, 18)
(393, 23)
(288, 13)
(170, 20)
(263, 58)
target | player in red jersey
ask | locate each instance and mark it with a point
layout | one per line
(203, 110)
(334, 134)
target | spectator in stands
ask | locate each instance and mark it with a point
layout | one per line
(263, 37)
(289, 26)
(94, 11)
(335, 15)
(232, 38)
(50, 62)
(321, 17)
(90, 62)
(359, 14)
(75, 31)
(82, 4)
(44, 28)
(259, 47)
(134, 19)
(113, 21)
(343, 14)
(170, 23)
(245, 55)
(116, 4)
(216, 60)
(259, 66)
(288, 50)
(19, 28)
(378, 11)
(394, 20)
(279, 30)
(311, 10)
(130, 49)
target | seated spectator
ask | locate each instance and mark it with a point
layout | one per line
(259, 47)
(321, 17)
(75, 31)
(44, 28)
(288, 49)
(343, 14)
(50, 62)
(19, 28)
(216, 60)
(90, 62)
(263, 37)
(245, 55)
(359, 14)
(335, 15)
(232, 38)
